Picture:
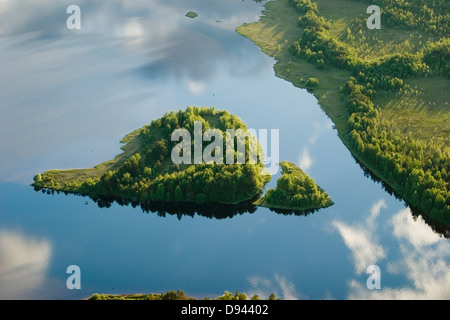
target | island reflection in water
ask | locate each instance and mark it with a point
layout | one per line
(217, 211)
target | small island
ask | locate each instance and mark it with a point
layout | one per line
(192, 14)
(146, 172)
(295, 191)
(176, 165)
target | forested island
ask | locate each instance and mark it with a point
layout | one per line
(161, 170)
(146, 171)
(295, 191)
(386, 90)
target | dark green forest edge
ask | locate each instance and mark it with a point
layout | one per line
(295, 191)
(386, 90)
(178, 295)
(146, 173)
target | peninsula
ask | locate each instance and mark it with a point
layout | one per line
(386, 90)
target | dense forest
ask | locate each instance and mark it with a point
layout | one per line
(418, 170)
(147, 175)
(295, 190)
(430, 15)
(150, 175)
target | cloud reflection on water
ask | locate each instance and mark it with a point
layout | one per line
(423, 257)
(24, 262)
(62, 88)
(305, 161)
(279, 285)
(362, 240)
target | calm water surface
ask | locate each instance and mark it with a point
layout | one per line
(68, 97)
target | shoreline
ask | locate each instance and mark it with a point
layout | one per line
(276, 30)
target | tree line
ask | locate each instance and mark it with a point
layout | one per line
(178, 295)
(419, 171)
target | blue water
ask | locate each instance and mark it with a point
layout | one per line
(68, 97)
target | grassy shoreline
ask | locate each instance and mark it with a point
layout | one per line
(421, 112)
(274, 34)
(65, 178)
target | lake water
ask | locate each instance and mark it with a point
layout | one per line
(67, 97)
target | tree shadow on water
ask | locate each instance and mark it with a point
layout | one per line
(217, 211)
(438, 227)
